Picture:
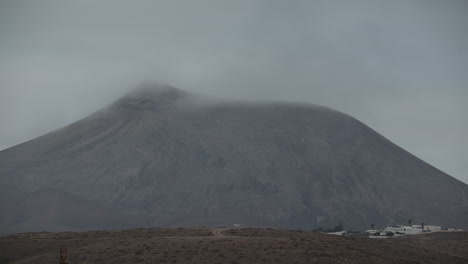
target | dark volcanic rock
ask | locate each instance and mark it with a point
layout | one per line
(178, 157)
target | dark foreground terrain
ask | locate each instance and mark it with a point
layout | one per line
(212, 245)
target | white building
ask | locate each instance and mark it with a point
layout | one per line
(339, 233)
(372, 231)
(412, 229)
(400, 230)
(432, 228)
(404, 230)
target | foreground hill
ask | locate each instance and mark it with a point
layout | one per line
(170, 158)
(231, 246)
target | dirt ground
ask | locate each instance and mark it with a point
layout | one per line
(218, 245)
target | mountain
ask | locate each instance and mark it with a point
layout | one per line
(173, 158)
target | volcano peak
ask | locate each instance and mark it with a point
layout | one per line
(150, 96)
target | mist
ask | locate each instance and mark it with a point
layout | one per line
(398, 66)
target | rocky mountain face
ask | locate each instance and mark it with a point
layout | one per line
(171, 158)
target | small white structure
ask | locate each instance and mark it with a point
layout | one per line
(432, 228)
(236, 225)
(339, 233)
(372, 231)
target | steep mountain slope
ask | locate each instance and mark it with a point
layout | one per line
(183, 158)
(55, 210)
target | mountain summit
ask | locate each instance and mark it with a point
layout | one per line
(177, 159)
(150, 96)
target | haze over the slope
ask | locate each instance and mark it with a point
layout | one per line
(398, 66)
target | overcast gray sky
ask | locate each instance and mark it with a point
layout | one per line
(401, 67)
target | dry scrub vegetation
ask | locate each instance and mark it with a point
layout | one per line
(204, 245)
